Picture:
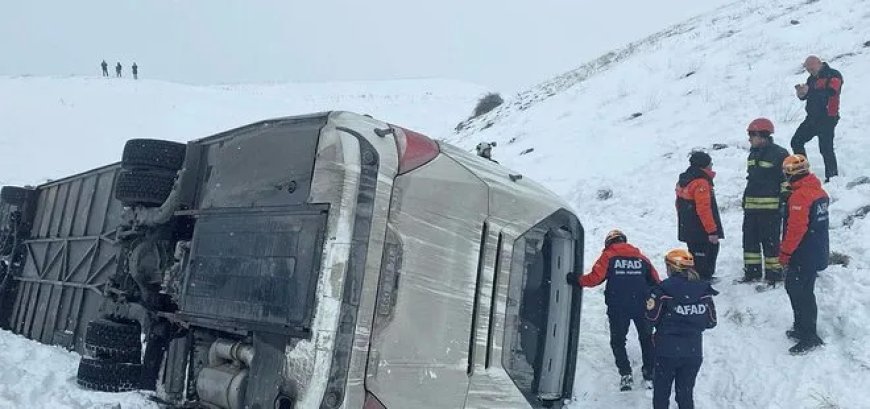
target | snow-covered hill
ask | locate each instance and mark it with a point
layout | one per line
(627, 122)
(52, 127)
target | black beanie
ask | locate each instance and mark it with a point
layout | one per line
(700, 159)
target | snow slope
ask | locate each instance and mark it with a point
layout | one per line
(696, 85)
(53, 127)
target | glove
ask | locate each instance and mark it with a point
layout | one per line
(784, 259)
(572, 279)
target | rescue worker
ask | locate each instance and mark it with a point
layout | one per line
(135, 69)
(680, 309)
(698, 214)
(805, 249)
(630, 277)
(484, 150)
(762, 221)
(105, 67)
(822, 94)
(118, 70)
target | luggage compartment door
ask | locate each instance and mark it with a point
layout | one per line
(255, 269)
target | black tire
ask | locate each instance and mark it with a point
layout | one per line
(114, 354)
(14, 195)
(108, 376)
(114, 341)
(104, 333)
(141, 187)
(153, 154)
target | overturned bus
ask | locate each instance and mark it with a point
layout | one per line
(322, 261)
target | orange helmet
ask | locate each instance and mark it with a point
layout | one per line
(680, 260)
(760, 125)
(615, 236)
(795, 165)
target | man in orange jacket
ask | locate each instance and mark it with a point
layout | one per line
(698, 214)
(805, 249)
(630, 277)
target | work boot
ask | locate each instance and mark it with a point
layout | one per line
(773, 276)
(648, 380)
(625, 383)
(748, 280)
(806, 345)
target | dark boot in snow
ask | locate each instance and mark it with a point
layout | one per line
(767, 286)
(748, 280)
(806, 345)
(648, 379)
(625, 383)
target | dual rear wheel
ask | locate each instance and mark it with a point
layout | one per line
(113, 361)
(148, 171)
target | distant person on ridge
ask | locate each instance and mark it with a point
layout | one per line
(105, 68)
(680, 310)
(762, 220)
(118, 70)
(805, 250)
(135, 69)
(630, 277)
(699, 225)
(822, 94)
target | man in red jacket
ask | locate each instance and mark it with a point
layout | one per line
(630, 277)
(822, 94)
(805, 249)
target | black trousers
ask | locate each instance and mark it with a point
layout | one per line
(824, 129)
(761, 240)
(619, 323)
(705, 254)
(800, 284)
(679, 373)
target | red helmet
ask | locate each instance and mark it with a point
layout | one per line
(760, 125)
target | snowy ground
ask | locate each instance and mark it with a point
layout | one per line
(36, 376)
(53, 127)
(743, 59)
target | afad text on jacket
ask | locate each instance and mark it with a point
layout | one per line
(629, 274)
(680, 310)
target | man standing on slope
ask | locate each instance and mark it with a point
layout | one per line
(135, 69)
(105, 67)
(762, 221)
(680, 309)
(630, 277)
(805, 249)
(118, 70)
(698, 214)
(822, 94)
